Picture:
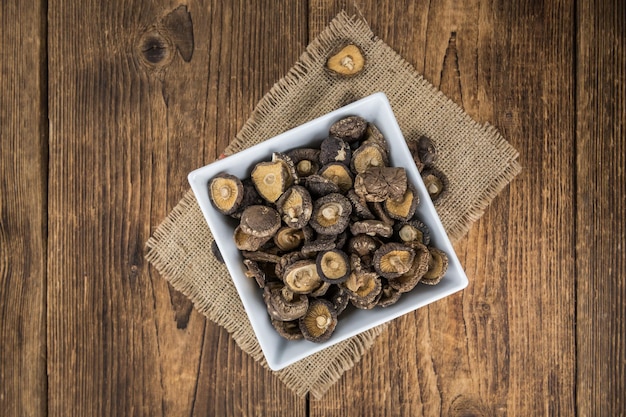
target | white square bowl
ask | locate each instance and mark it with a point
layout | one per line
(280, 352)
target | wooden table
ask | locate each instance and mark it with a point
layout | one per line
(105, 107)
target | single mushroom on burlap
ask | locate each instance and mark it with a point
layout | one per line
(346, 61)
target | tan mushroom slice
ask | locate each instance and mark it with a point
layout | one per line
(381, 183)
(363, 287)
(331, 214)
(407, 281)
(290, 330)
(319, 322)
(413, 231)
(283, 304)
(371, 228)
(244, 241)
(333, 266)
(393, 259)
(295, 206)
(339, 174)
(288, 239)
(260, 221)
(350, 129)
(404, 208)
(347, 61)
(436, 183)
(254, 271)
(437, 267)
(301, 277)
(367, 156)
(226, 193)
(271, 179)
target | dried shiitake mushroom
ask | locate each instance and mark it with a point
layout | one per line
(334, 149)
(331, 214)
(260, 256)
(271, 179)
(306, 161)
(333, 266)
(346, 61)
(375, 136)
(295, 206)
(339, 174)
(260, 221)
(359, 206)
(290, 330)
(426, 150)
(413, 231)
(436, 183)
(226, 193)
(288, 238)
(350, 129)
(393, 259)
(319, 322)
(362, 245)
(367, 156)
(283, 304)
(389, 295)
(338, 297)
(407, 281)
(381, 214)
(404, 208)
(381, 183)
(363, 287)
(437, 266)
(301, 277)
(319, 186)
(321, 243)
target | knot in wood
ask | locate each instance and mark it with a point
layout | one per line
(155, 49)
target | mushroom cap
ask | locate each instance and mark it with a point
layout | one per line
(359, 206)
(226, 193)
(371, 228)
(436, 183)
(319, 186)
(381, 183)
(389, 295)
(363, 287)
(333, 266)
(331, 214)
(363, 244)
(413, 231)
(301, 277)
(271, 179)
(368, 156)
(334, 149)
(404, 208)
(319, 322)
(288, 238)
(437, 266)
(248, 242)
(339, 297)
(426, 150)
(407, 281)
(305, 160)
(290, 330)
(350, 129)
(295, 206)
(282, 304)
(339, 174)
(393, 259)
(260, 221)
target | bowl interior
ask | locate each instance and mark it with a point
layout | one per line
(278, 351)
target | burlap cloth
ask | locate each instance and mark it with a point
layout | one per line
(478, 161)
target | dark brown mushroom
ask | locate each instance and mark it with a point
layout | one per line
(290, 330)
(393, 259)
(350, 129)
(437, 266)
(413, 231)
(321, 243)
(333, 149)
(374, 136)
(226, 193)
(319, 322)
(363, 245)
(283, 304)
(381, 214)
(346, 61)
(338, 297)
(389, 295)
(379, 184)
(436, 183)
(331, 214)
(407, 281)
(359, 206)
(288, 239)
(363, 287)
(306, 161)
(333, 266)
(286, 260)
(295, 206)
(321, 290)
(339, 174)
(301, 277)
(371, 228)
(404, 208)
(426, 150)
(319, 186)
(260, 221)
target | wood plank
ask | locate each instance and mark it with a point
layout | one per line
(23, 177)
(601, 212)
(136, 103)
(476, 353)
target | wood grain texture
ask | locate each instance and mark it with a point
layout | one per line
(601, 212)
(476, 353)
(140, 94)
(23, 176)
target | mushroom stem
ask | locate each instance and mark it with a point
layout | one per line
(321, 321)
(347, 62)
